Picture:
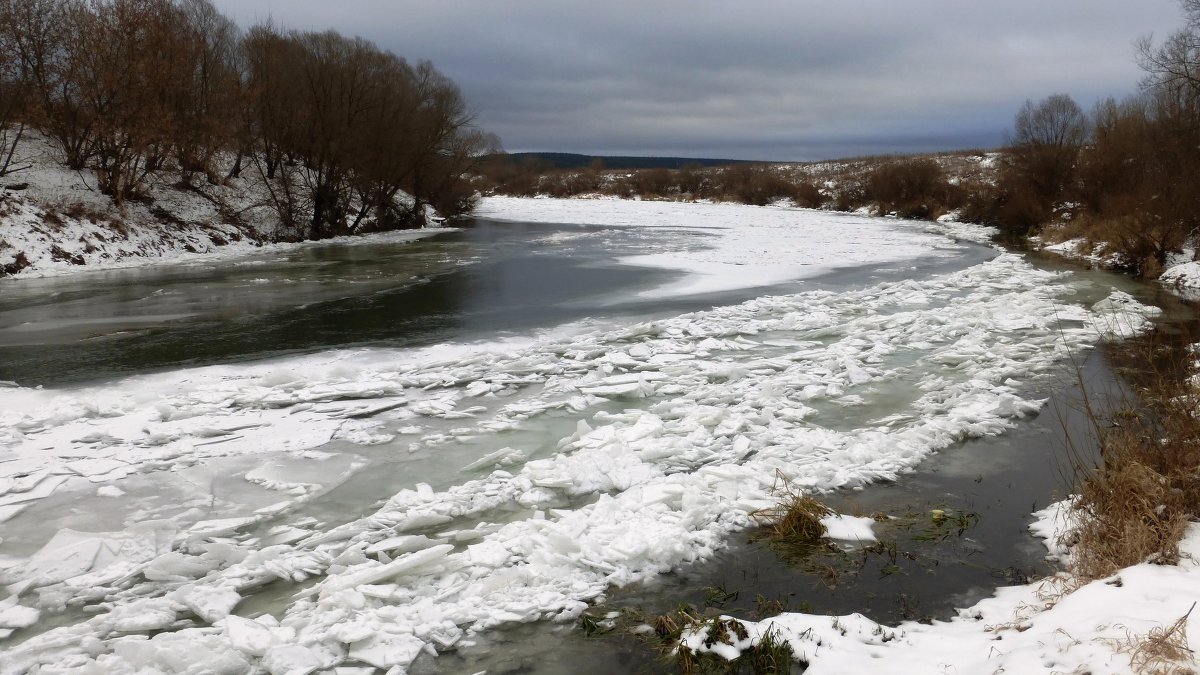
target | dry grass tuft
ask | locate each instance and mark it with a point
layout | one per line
(1162, 651)
(795, 519)
(1129, 514)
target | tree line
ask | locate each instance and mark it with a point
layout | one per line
(1124, 173)
(744, 182)
(344, 136)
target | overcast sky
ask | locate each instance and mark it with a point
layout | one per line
(750, 79)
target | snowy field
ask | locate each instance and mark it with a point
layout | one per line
(205, 519)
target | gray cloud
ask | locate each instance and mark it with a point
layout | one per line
(754, 79)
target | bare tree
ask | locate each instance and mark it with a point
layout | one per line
(204, 103)
(446, 144)
(1045, 145)
(340, 130)
(345, 129)
(128, 67)
(1177, 60)
(40, 33)
(1056, 121)
(14, 90)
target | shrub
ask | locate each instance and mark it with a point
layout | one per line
(656, 182)
(912, 188)
(808, 195)
(753, 184)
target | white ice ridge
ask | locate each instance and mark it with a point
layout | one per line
(682, 426)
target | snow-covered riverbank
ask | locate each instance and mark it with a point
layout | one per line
(197, 506)
(54, 221)
(37, 242)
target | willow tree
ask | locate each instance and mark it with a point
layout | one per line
(351, 136)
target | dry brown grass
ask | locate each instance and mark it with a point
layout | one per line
(1135, 505)
(796, 518)
(1162, 651)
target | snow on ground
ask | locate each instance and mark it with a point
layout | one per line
(656, 440)
(1183, 275)
(1078, 248)
(33, 244)
(1043, 627)
(59, 223)
(736, 246)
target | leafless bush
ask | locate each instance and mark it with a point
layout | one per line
(753, 184)
(912, 188)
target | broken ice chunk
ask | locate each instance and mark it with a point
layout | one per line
(499, 458)
(96, 466)
(7, 512)
(210, 603)
(387, 651)
(285, 534)
(405, 543)
(70, 553)
(250, 637)
(419, 521)
(13, 615)
(42, 488)
(373, 573)
(175, 566)
(848, 528)
(221, 527)
(291, 660)
(148, 615)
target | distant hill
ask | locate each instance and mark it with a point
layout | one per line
(566, 160)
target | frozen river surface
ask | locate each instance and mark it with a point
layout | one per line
(359, 455)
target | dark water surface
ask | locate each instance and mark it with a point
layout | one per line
(485, 279)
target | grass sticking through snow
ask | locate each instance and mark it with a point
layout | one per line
(1162, 651)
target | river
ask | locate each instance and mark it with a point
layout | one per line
(416, 445)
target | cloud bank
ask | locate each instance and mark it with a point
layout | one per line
(754, 80)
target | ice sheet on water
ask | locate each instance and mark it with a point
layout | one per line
(681, 427)
(741, 247)
(70, 554)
